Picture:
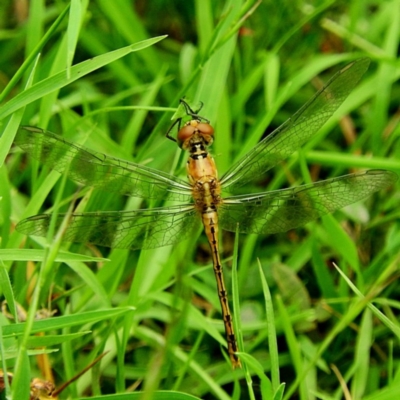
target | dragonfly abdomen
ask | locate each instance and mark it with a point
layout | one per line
(210, 222)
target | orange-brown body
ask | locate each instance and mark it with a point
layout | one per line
(195, 137)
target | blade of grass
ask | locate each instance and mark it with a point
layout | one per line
(294, 349)
(362, 356)
(75, 19)
(272, 338)
(50, 324)
(33, 54)
(12, 125)
(37, 255)
(235, 299)
(364, 300)
(60, 80)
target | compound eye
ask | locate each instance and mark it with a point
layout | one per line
(185, 133)
(205, 129)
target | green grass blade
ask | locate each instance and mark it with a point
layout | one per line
(272, 337)
(61, 79)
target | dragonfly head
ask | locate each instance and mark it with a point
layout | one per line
(195, 128)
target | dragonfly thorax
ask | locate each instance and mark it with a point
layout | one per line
(200, 163)
(191, 130)
(207, 194)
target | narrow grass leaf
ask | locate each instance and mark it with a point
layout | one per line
(294, 349)
(159, 395)
(362, 358)
(67, 321)
(324, 279)
(6, 289)
(333, 159)
(54, 340)
(61, 79)
(215, 72)
(271, 79)
(235, 293)
(6, 205)
(125, 17)
(34, 53)
(204, 23)
(3, 358)
(382, 317)
(279, 392)
(37, 255)
(391, 392)
(12, 125)
(272, 338)
(301, 23)
(135, 125)
(254, 365)
(90, 279)
(213, 79)
(155, 340)
(249, 84)
(74, 24)
(342, 242)
(20, 387)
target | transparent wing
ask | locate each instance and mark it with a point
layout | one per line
(96, 169)
(293, 133)
(281, 210)
(146, 229)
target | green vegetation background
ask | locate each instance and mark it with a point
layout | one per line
(156, 312)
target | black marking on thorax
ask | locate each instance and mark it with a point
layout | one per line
(198, 151)
(209, 208)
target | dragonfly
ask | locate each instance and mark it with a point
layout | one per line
(201, 197)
